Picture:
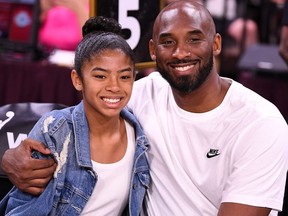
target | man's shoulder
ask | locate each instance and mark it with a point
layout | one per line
(153, 80)
(244, 98)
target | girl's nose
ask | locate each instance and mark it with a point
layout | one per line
(113, 85)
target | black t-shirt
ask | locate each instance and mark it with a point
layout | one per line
(285, 14)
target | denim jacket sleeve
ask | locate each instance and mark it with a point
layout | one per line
(19, 203)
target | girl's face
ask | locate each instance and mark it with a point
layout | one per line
(107, 83)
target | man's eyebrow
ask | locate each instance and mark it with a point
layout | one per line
(163, 35)
(193, 32)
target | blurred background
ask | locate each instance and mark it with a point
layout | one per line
(38, 39)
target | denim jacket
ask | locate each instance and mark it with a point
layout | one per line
(66, 134)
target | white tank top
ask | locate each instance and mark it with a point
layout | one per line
(110, 195)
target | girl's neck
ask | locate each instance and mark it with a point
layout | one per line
(108, 142)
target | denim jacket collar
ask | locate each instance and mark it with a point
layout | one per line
(82, 144)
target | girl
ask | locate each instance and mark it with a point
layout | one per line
(101, 167)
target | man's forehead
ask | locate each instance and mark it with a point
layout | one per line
(189, 12)
(183, 13)
(178, 17)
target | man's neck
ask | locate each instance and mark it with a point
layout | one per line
(207, 97)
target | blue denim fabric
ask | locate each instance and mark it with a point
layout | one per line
(66, 132)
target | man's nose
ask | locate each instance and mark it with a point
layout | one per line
(181, 51)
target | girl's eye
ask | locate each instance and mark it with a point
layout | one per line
(100, 76)
(125, 77)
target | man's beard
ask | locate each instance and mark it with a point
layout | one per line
(187, 84)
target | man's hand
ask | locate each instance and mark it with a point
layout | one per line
(26, 173)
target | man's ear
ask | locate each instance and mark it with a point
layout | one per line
(152, 50)
(76, 80)
(217, 44)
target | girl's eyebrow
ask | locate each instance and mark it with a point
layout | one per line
(104, 70)
(98, 69)
(125, 69)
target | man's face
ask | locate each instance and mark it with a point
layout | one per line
(186, 83)
(183, 46)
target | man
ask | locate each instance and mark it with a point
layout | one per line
(217, 148)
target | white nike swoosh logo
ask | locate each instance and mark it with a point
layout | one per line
(210, 155)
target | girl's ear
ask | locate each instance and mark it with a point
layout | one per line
(76, 80)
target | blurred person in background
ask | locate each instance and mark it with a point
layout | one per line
(283, 46)
(230, 19)
(61, 22)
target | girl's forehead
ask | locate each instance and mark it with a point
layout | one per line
(109, 58)
(109, 53)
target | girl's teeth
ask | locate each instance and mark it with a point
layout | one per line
(110, 100)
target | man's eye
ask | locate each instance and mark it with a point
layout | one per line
(194, 40)
(167, 42)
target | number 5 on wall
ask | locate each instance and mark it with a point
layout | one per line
(130, 22)
(136, 18)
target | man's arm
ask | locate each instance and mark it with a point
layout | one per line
(257, 182)
(26, 173)
(236, 209)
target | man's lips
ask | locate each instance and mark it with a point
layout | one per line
(184, 68)
(183, 65)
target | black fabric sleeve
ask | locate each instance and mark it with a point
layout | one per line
(285, 14)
